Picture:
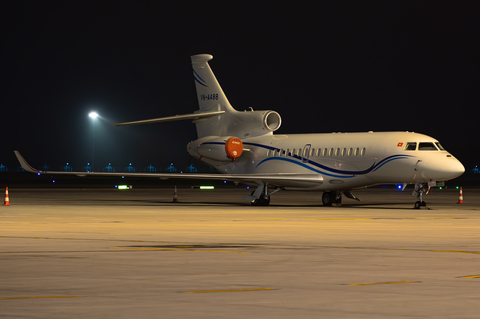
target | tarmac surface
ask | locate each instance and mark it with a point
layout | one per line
(99, 253)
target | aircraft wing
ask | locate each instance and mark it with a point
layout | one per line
(191, 116)
(278, 179)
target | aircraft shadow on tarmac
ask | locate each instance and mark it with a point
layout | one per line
(388, 205)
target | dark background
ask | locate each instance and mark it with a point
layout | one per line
(333, 66)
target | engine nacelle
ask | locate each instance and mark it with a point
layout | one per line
(255, 122)
(222, 149)
(248, 123)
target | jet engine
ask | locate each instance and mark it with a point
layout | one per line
(254, 123)
(222, 149)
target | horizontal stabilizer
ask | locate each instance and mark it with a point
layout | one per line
(191, 116)
(259, 179)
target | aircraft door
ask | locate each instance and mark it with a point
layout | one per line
(306, 152)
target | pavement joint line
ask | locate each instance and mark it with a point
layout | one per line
(181, 249)
(36, 297)
(385, 283)
(229, 290)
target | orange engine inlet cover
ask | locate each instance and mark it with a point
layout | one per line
(233, 147)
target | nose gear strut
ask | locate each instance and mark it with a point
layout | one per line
(419, 190)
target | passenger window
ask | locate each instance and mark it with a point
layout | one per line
(337, 152)
(362, 153)
(312, 152)
(350, 152)
(411, 146)
(426, 146)
(287, 153)
(344, 152)
(325, 150)
(293, 152)
(330, 153)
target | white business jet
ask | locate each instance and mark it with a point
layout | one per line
(241, 145)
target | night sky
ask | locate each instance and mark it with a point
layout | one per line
(334, 66)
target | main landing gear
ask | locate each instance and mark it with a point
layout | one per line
(264, 200)
(330, 198)
(261, 197)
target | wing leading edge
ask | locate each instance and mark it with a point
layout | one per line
(278, 179)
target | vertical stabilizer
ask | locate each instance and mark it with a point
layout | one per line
(209, 92)
(210, 98)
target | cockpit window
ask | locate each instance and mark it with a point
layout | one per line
(440, 147)
(412, 146)
(424, 146)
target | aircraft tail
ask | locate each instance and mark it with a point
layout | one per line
(216, 117)
(211, 98)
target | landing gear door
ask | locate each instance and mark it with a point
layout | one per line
(306, 152)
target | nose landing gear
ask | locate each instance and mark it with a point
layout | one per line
(419, 190)
(420, 204)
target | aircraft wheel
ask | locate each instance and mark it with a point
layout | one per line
(264, 200)
(328, 198)
(418, 204)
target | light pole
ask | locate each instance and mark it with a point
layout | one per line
(93, 115)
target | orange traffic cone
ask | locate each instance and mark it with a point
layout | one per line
(7, 200)
(175, 199)
(460, 197)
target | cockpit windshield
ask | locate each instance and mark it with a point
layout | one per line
(411, 146)
(423, 146)
(440, 147)
(426, 146)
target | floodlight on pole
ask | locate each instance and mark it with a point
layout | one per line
(93, 115)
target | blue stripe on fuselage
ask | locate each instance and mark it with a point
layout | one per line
(374, 166)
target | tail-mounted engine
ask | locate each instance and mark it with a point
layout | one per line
(254, 123)
(222, 149)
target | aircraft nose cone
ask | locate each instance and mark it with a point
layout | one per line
(443, 169)
(458, 169)
(452, 168)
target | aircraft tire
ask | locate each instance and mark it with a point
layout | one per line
(418, 204)
(264, 200)
(328, 198)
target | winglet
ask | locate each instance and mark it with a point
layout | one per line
(24, 163)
